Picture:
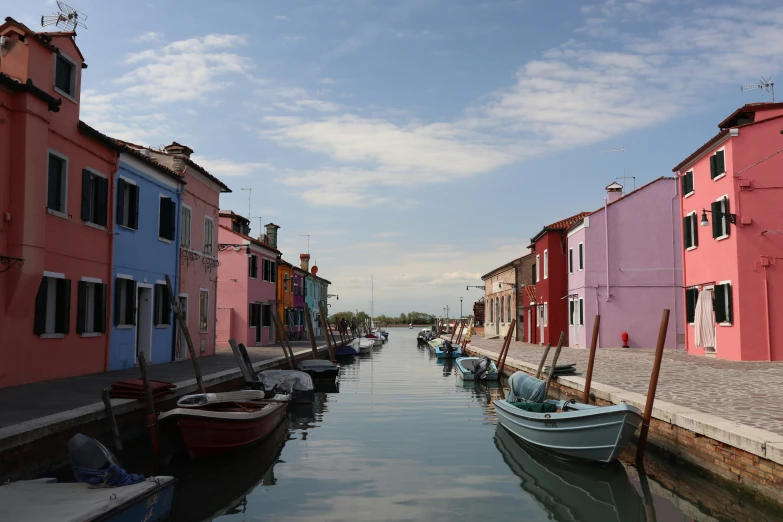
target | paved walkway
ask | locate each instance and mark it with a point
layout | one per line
(749, 393)
(31, 401)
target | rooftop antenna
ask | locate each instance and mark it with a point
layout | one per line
(308, 242)
(249, 196)
(68, 19)
(765, 84)
(624, 177)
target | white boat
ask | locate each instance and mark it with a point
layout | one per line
(363, 344)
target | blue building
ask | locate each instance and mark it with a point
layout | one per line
(147, 204)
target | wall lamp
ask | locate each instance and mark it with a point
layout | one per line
(469, 287)
(236, 247)
(333, 295)
(705, 222)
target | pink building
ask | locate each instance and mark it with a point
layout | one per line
(198, 248)
(55, 214)
(732, 191)
(247, 282)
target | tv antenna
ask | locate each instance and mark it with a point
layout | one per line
(624, 177)
(765, 84)
(308, 241)
(68, 19)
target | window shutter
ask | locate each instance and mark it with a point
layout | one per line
(133, 213)
(39, 325)
(118, 301)
(121, 187)
(250, 266)
(255, 266)
(63, 308)
(166, 305)
(571, 312)
(156, 305)
(719, 304)
(102, 201)
(690, 181)
(81, 306)
(86, 200)
(691, 294)
(684, 182)
(131, 305)
(571, 260)
(720, 163)
(101, 291)
(713, 167)
(695, 230)
(581, 256)
(729, 303)
(725, 217)
(716, 219)
(686, 231)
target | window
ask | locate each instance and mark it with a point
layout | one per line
(546, 314)
(570, 260)
(127, 204)
(690, 231)
(57, 184)
(236, 227)
(53, 306)
(167, 218)
(720, 218)
(285, 282)
(253, 263)
(203, 311)
(581, 312)
(533, 275)
(581, 256)
(502, 308)
(266, 315)
(687, 183)
(491, 312)
(65, 75)
(691, 296)
(546, 264)
(209, 227)
(162, 305)
(508, 308)
(255, 315)
(537, 269)
(722, 303)
(717, 165)
(91, 307)
(124, 302)
(571, 311)
(185, 217)
(269, 271)
(95, 196)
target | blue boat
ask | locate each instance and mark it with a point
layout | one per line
(477, 369)
(444, 349)
(346, 351)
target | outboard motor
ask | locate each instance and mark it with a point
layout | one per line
(88, 453)
(448, 347)
(482, 367)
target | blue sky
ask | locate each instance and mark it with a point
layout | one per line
(420, 141)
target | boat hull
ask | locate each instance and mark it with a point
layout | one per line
(589, 433)
(204, 436)
(468, 375)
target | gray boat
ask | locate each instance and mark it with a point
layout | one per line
(566, 428)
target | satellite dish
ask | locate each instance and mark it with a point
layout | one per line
(68, 19)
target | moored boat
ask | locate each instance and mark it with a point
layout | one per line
(319, 369)
(444, 349)
(298, 383)
(477, 369)
(568, 428)
(213, 423)
(363, 344)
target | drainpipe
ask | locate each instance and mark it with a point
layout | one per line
(766, 303)
(598, 312)
(180, 190)
(606, 232)
(111, 225)
(674, 257)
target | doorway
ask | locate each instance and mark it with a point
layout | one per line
(575, 314)
(144, 321)
(541, 324)
(497, 316)
(529, 326)
(257, 321)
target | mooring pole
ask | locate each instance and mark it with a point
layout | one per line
(282, 337)
(309, 320)
(648, 408)
(504, 350)
(591, 361)
(543, 360)
(246, 372)
(325, 326)
(115, 431)
(554, 364)
(183, 324)
(152, 419)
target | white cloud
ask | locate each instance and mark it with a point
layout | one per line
(221, 167)
(326, 81)
(293, 38)
(299, 105)
(149, 37)
(281, 17)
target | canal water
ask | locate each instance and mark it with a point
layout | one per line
(403, 439)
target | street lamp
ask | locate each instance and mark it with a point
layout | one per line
(460, 309)
(705, 222)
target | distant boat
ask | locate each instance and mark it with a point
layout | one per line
(319, 369)
(363, 344)
(410, 326)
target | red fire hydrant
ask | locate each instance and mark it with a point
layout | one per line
(625, 339)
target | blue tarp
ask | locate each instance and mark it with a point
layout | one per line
(112, 476)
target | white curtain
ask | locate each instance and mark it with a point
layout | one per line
(704, 321)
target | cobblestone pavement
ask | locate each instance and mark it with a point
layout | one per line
(750, 393)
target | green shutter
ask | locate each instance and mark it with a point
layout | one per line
(716, 219)
(686, 231)
(39, 324)
(121, 188)
(729, 303)
(101, 201)
(713, 167)
(725, 217)
(720, 163)
(719, 304)
(86, 199)
(81, 306)
(695, 229)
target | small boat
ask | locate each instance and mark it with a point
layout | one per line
(410, 326)
(346, 351)
(363, 344)
(477, 369)
(297, 383)
(377, 339)
(319, 369)
(567, 428)
(444, 349)
(425, 336)
(213, 423)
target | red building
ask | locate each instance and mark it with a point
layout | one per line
(548, 313)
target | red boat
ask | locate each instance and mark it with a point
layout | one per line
(213, 423)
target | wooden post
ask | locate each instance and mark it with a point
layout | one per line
(248, 376)
(591, 361)
(648, 408)
(649, 508)
(309, 320)
(554, 364)
(453, 331)
(246, 358)
(506, 346)
(326, 334)
(543, 361)
(152, 419)
(282, 337)
(328, 330)
(183, 324)
(115, 431)
(461, 328)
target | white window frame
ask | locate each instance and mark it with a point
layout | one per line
(581, 256)
(546, 263)
(728, 223)
(725, 168)
(163, 239)
(127, 207)
(189, 209)
(108, 195)
(693, 180)
(200, 292)
(212, 244)
(538, 268)
(93, 280)
(728, 282)
(75, 80)
(64, 212)
(694, 223)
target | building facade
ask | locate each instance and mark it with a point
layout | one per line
(500, 300)
(641, 276)
(549, 248)
(525, 276)
(285, 295)
(317, 288)
(56, 230)
(733, 238)
(297, 312)
(247, 282)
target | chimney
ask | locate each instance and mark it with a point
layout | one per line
(305, 260)
(614, 191)
(179, 152)
(271, 233)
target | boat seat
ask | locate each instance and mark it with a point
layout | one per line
(535, 407)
